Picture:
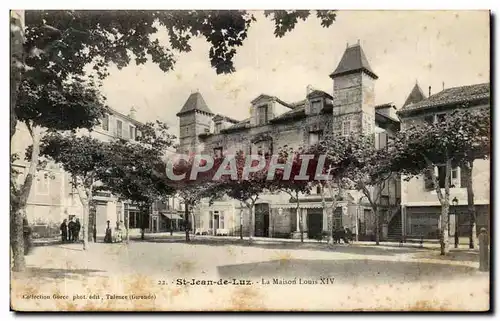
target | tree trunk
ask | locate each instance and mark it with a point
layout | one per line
(445, 203)
(128, 226)
(144, 219)
(445, 240)
(251, 221)
(21, 202)
(377, 225)
(17, 240)
(186, 220)
(85, 225)
(16, 63)
(85, 195)
(471, 209)
(193, 223)
(301, 219)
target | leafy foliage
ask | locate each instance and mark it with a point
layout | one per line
(73, 39)
(82, 157)
(463, 135)
(133, 166)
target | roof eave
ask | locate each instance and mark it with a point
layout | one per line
(409, 112)
(347, 72)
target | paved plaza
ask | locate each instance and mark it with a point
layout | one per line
(340, 277)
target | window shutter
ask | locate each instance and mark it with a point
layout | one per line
(463, 176)
(428, 181)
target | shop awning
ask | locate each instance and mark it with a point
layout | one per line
(172, 216)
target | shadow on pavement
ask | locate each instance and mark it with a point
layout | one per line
(338, 248)
(347, 271)
(60, 274)
(454, 255)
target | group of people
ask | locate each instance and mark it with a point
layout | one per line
(70, 231)
(117, 235)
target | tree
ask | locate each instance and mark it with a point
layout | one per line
(192, 177)
(474, 123)
(369, 173)
(60, 46)
(243, 178)
(338, 153)
(295, 182)
(85, 159)
(44, 108)
(133, 167)
(422, 147)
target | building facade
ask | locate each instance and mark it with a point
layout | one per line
(273, 123)
(420, 206)
(53, 198)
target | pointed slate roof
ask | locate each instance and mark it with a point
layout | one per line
(195, 102)
(353, 60)
(471, 94)
(416, 95)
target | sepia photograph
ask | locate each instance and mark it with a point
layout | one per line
(250, 160)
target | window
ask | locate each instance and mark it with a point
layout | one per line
(384, 200)
(211, 222)
(383, 139)
(262, 114)
(318, 190)
(134, 219)
(42, 184)
(440, 118)
(218, 152)
(429, 119)
(316, 107)
(105, 122)
(221, 220)
(454, 176)
(132, 132)
(218, 127)
(315, 137)
(119, 125)
(346, 128)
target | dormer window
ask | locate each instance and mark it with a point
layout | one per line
(316, 106)
(262, 115)
(218, 127)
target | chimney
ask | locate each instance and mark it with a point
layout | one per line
(358, 41)
(309, 89)
(132, 112)
(430, 91)
(443, 85)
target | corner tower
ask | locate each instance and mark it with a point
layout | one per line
(194, 119)
(354, 94)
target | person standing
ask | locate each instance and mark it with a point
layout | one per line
(76, 234)
(71, 229)
(94, 233)
(108, 237)
(64, 231)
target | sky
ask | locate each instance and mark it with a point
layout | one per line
(435, 48)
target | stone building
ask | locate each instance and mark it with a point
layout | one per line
(420, 205)
(273, 123)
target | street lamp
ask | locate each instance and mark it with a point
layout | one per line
(455, 203)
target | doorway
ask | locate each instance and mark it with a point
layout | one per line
(262, 220)
(314, 223)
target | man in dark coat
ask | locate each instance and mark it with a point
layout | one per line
(76, 231)
(64, 231)
(71, 230)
